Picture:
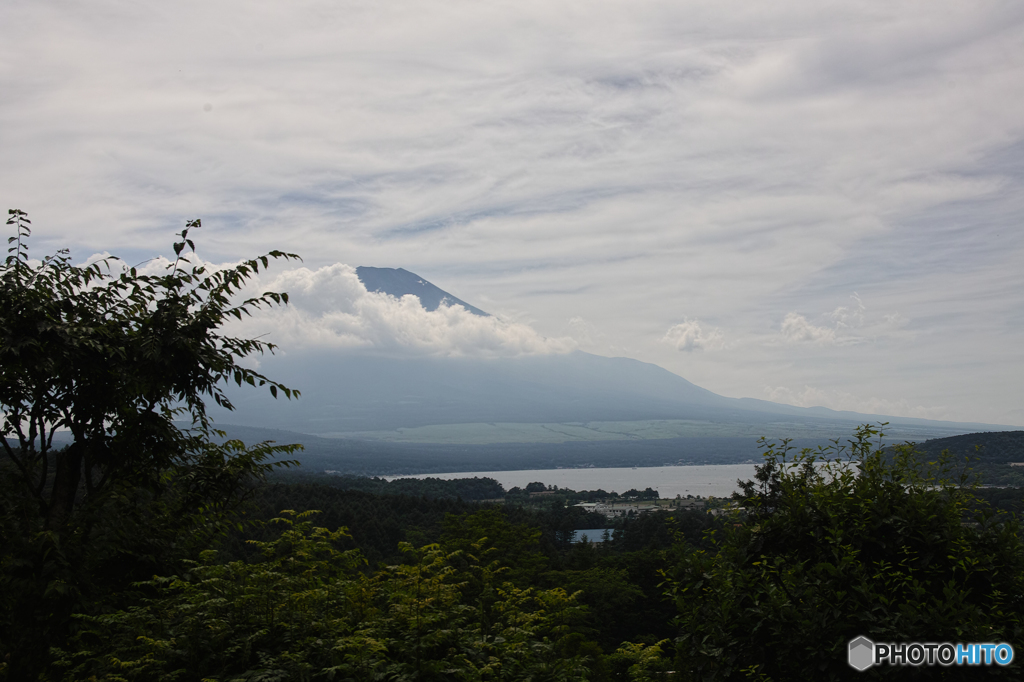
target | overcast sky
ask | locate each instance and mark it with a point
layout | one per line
(813, 202)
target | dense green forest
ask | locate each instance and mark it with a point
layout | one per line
(142, 551)
(288, 601)
(479, 488)
(991, 456)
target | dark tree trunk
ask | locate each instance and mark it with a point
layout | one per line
(67, 476)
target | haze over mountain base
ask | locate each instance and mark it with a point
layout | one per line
(372, 414)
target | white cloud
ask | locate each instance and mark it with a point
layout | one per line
(96, 257)
(581, 330)
(330, 307)
(850, 325)
(849, 316)
(688, 335)
(796, 328)
(810, 396)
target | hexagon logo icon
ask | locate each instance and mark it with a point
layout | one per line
(861, 653)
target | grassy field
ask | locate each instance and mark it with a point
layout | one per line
(505, 432)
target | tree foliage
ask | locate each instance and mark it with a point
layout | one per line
(306, 611)
(116, 357)
(847, 541)
(476, 488)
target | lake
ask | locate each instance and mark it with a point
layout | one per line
(712, 480)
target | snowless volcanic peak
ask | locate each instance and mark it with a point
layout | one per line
(398, 282)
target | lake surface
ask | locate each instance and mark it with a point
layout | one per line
(717, 480)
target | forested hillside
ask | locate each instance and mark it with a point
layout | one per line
(619, 578)
(477, 488)
(989, 455)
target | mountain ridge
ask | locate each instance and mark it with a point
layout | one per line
(371, 395)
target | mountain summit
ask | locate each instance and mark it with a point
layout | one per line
(398, 282)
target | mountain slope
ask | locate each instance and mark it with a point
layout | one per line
(398, 282)
(355, 393)
(368, 395)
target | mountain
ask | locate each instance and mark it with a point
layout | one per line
(371, 396)
(543, 410)
(398, 282)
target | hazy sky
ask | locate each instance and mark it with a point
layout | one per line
(813, 202)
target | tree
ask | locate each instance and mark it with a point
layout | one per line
(117, 358)
(842, 542)
(307, 611)
(514, 546)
